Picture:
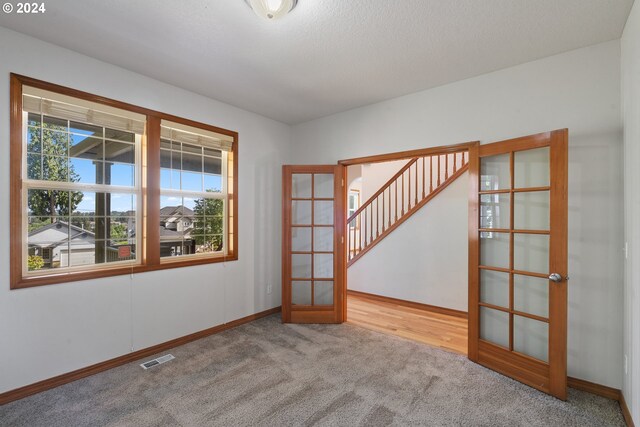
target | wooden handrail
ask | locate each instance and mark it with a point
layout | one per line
(429, 152)
(401, 155)
(381, 189)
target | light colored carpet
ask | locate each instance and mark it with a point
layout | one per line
(267, 373)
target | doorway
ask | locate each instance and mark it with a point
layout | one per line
(517, 234)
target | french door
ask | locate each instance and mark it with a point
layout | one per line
(518, 259)
(313, 251)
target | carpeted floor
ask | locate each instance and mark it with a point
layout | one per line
(267, 373)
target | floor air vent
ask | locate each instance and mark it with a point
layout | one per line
(158, 361)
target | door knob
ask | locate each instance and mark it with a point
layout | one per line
(555, 277)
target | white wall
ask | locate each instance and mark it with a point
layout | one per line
(354, 173)
(579, 90)
(51, 330)
(375, 175)
(631, 118)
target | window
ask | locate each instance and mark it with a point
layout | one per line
(354, 204)
(101, 188)
(193, 185)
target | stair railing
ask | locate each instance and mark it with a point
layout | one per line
(407, 191)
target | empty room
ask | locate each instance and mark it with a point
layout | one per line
(320, 212)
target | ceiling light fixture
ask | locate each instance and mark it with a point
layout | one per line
(272, 9)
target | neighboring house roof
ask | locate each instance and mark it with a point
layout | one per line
(167, 235)
(59, 232)
(176, 211)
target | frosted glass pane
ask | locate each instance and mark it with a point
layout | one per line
(323, 239)
(531, 252)
(301, 239)
(531, 337)
(495, 172)
(301, 212)
(323, 212)
(301, 293)
(494, 249)
(300, 266)
(323, 266)
(322, 293)
(494, 326)
(531, 210)
(301, 186)
(531, 295)
(494, 211)
(494, 288)
(531, 168)
(323, 186)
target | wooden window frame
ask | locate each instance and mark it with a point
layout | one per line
(149, 258)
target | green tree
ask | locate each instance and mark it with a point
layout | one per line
(48, 160)
(207, 225)
(38, 223)
(119, 232)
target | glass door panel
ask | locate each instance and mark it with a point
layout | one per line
(323, 186)
(531, 295)
(323, 292)
(494, 288)
(323, 212)
(531, 337)
(494, 326)
(495, 173)
(301, 185)
(301, 212)
(494, 210)
(323, 239)
(531, 253)
(323, 266)
(301, 239)
(300, 266)
(301, 292)
(494, 249)
(531, 210)
(531, 168)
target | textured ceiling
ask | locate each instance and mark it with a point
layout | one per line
(326, 56)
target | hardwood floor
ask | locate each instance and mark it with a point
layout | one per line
(440, 330)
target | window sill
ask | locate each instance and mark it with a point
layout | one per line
(74, 276)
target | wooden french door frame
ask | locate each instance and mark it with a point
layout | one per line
(313, 313)
(548, 377)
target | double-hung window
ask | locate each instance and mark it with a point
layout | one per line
(194, 191)
(80, 183)
(101, 188)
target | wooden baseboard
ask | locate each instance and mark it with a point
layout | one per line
(625, 411)
(604, 391)
(28, 390)
(600, 390)
(411, 304)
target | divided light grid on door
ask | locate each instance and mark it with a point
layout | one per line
(408, 190)
(313, 244)
(518, 259)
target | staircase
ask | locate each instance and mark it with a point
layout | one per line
(420, 180)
